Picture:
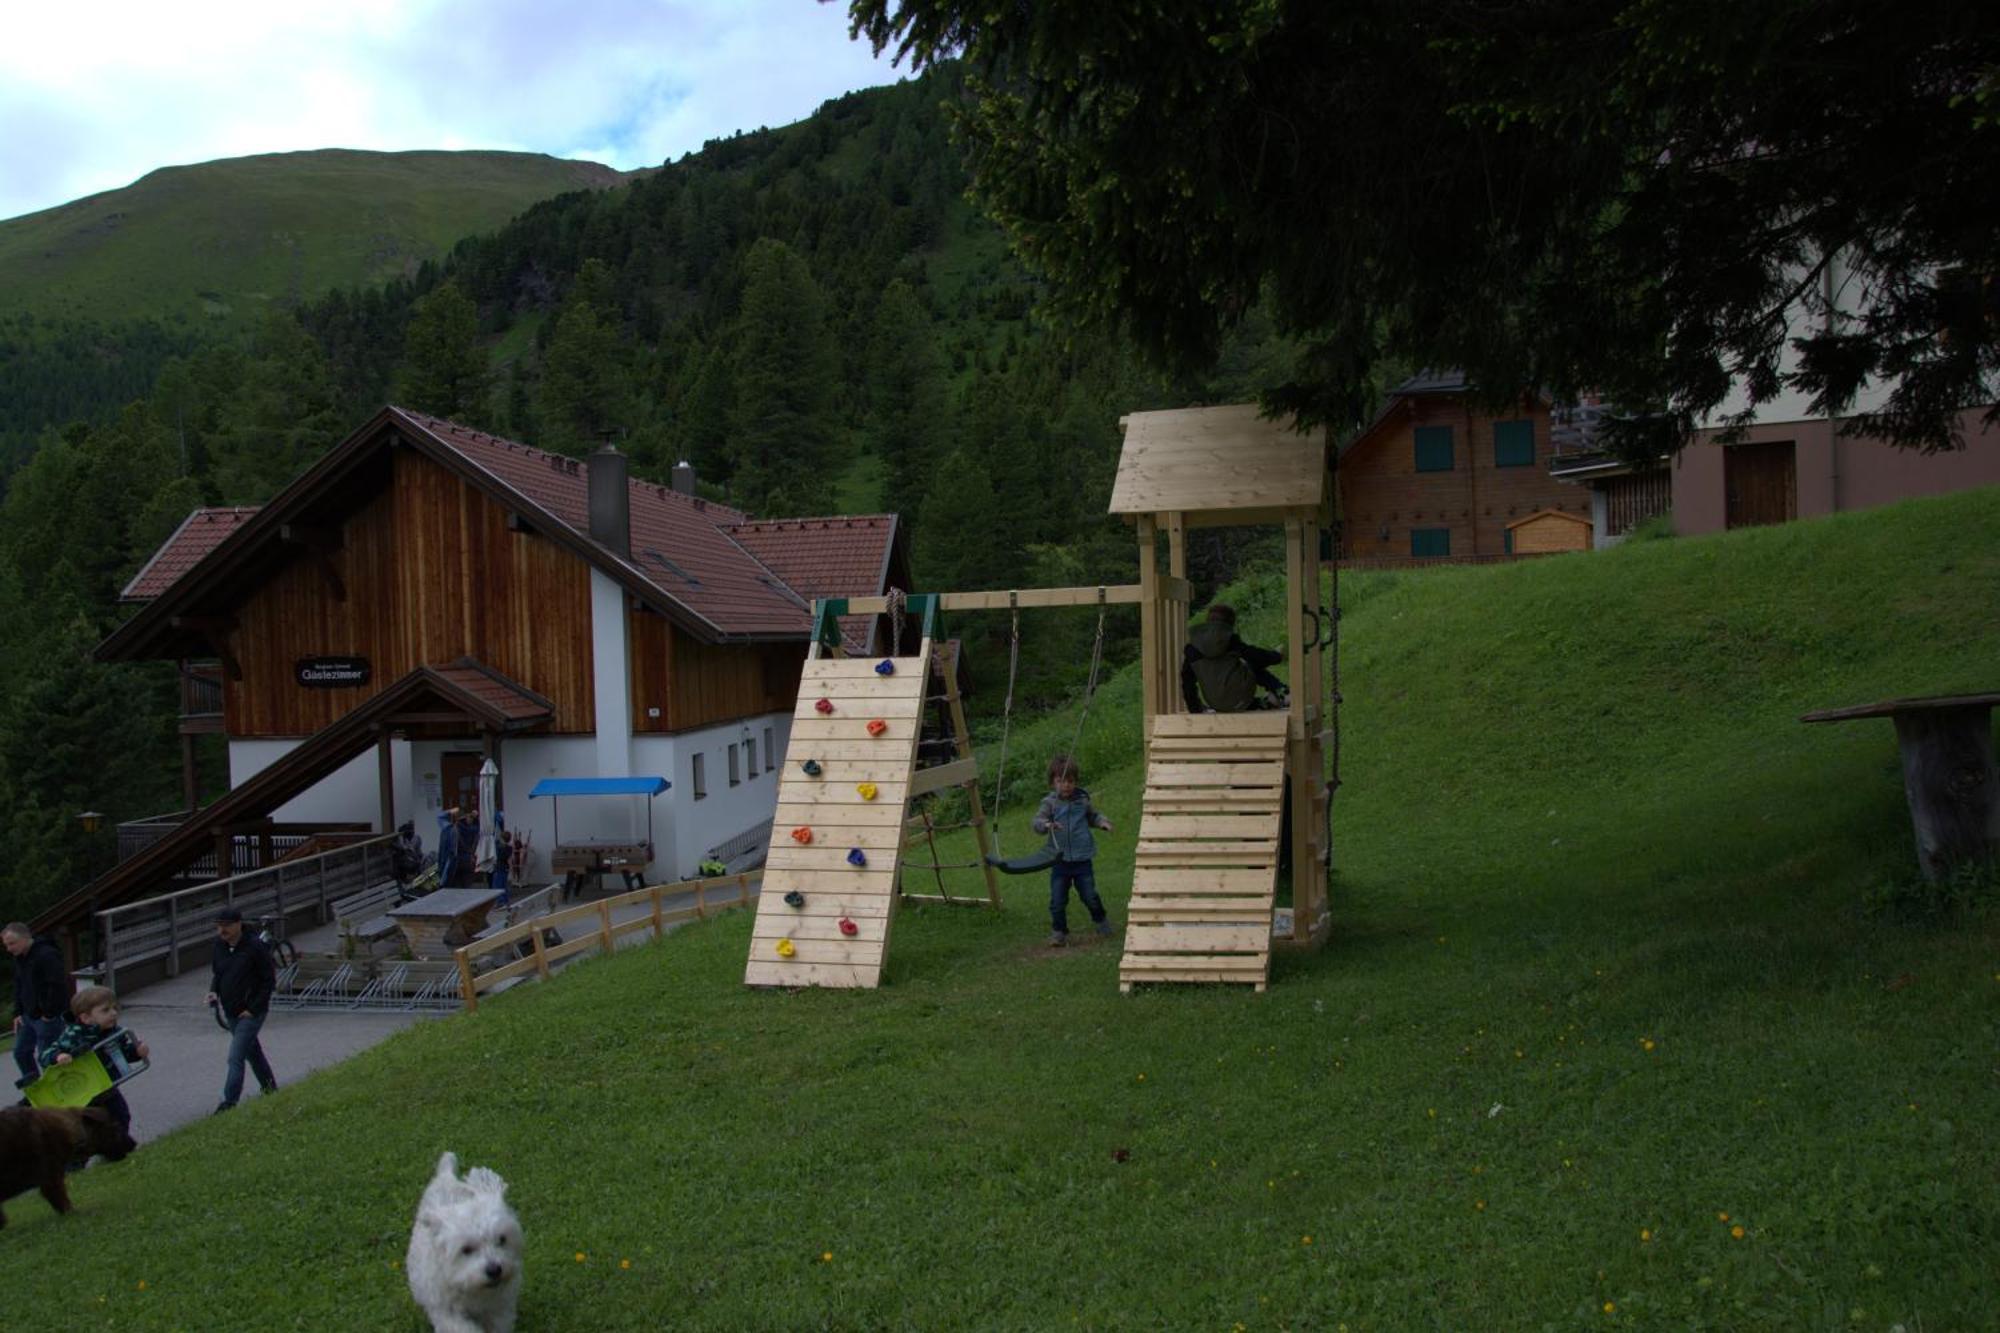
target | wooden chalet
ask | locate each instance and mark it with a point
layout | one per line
(426, 596)
(1436, 475)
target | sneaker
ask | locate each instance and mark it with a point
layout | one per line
(224, 1106)
(1057, 939)
(268, 1089)
(1104, 928)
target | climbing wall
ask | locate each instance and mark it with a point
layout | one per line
(1207, 862)
(836, 933)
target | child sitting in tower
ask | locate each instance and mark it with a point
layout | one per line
(1219, 672)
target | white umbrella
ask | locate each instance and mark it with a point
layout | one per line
(489, 781)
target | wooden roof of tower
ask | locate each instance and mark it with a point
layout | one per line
(1218, 465)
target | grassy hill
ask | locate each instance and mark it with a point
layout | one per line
(1606, 1036)
(229, 239)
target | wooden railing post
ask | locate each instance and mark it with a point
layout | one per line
(109, 931)
(604, 917)
(659, 926)
(701, 899)
(465, 982)
(173, 938)
(743, 890)
(541, 958)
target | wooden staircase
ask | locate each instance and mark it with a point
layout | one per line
(1205, 872)
(805, 945)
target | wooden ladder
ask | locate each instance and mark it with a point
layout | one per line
(1206, 868)
(841, 819)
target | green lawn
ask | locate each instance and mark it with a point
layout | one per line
(1604, 1038)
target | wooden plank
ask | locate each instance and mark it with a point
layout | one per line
(871, 686)
(1167, 773)
(866, 752)
(1181, 804)
(1198, 909)
(839, 791)
(876, 878)
(1234, 964)
(830, 903)
(1115, 594)
(854, 730)
(807, 709)
(1194, 975)
(1235, 828)
(1257, 847)
(806, 927)
(849, 814)
(806, 951)
(778, 972)
(1149, 939)
(1167, 880)
(1260, 722)
(855, 668)
(954, 774)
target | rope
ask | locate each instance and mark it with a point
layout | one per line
(1090, 681)
(1006, 718)
(895, 607)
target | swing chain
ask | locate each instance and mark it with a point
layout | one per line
(1007, 717)
(1090, 681)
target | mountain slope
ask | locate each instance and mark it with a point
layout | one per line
(231, 238)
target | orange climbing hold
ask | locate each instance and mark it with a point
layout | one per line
(802, 835)
(877, 727)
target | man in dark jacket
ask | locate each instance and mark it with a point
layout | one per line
(243, 981)
(1221, 671)
(40, 995)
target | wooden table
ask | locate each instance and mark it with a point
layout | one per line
(439, 922)
(577, 859)
(1948, 774)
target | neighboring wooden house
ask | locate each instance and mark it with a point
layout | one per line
(487, 598)
(1547, 531)
(1435, 475)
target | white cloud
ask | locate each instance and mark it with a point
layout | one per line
(93, 97)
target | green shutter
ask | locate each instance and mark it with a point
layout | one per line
(1514, 443)
(1430, 541)
(1433, 448)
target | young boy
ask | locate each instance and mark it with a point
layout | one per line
(96, 1010)
(1067, 817)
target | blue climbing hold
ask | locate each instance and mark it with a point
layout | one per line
(795, 899)
(886, 667)
(856, 857)
(811, 767)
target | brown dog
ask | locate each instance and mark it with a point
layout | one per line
(35, 1146)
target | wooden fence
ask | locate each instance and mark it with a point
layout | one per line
(602, 933)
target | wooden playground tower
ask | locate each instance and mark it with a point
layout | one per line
(1202, 907)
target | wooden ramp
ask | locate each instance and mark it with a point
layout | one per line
(1206, 868)
(841, 819)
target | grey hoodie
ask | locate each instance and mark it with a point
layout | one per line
(1068, 825)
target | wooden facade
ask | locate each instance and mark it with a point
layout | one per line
(425, 568)
(1437, 476)
(1546, 532)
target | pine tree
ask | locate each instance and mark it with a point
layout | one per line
(906, 399)
(444, 367)
(782, 428)
(585, 394)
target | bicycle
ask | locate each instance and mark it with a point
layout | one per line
(271, 930)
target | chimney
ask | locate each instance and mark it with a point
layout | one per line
(684, 477)
(610, 501)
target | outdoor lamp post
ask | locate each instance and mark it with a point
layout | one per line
(92, 820)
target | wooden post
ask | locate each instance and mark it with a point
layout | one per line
(962, 746)
(604, 924)
(386, 772)
(1949, 777)
(701, 899)
(1298, 768)
(189, 786)
(174, 936)
(1150, 667)
(541, 957)
(470, 991)
(743, 890)
(659, 926)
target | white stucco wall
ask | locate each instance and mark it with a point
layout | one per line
(611, 671)
(346, 796)
(1848, 298)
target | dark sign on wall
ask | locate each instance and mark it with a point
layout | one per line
(330, 673)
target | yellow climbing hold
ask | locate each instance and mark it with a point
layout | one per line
(867, 790)
(786, 948)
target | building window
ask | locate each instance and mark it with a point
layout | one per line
(750, 756)
(1514, 443)
(1433, 448)
(700, 776)
(1430, 541)
(770, 751)
(735, 776)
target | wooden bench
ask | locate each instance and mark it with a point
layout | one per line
(363, 916)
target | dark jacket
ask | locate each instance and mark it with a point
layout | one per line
(245, 976)
(39, 990)
(1219, 669)
(80, 1037)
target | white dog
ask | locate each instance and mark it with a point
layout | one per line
(465, 1252)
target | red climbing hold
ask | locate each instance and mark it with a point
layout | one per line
(848, 927)
(824, 705)
(802, 835)
(877, 727)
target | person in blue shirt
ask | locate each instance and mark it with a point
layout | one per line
(1067, 817)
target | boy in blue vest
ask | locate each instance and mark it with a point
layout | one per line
(1067, 817)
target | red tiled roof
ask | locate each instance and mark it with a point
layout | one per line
(842, 556)
(510, 701)
(680, 544)
(197, 535)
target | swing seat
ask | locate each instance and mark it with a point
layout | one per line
(1024, 865)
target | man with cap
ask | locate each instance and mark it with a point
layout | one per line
(41, 993)
(244, 977)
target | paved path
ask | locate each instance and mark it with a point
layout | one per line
(189, 1051)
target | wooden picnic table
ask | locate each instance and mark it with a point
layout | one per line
(1948, 773)
(439, 922)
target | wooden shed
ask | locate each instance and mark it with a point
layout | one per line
(1546, 531)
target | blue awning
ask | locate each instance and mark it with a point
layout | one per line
(600, 787)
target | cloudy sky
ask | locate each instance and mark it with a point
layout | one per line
(94, 96)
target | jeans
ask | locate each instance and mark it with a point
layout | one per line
(243, 1046)
(1063, 874)
(35, 1033)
